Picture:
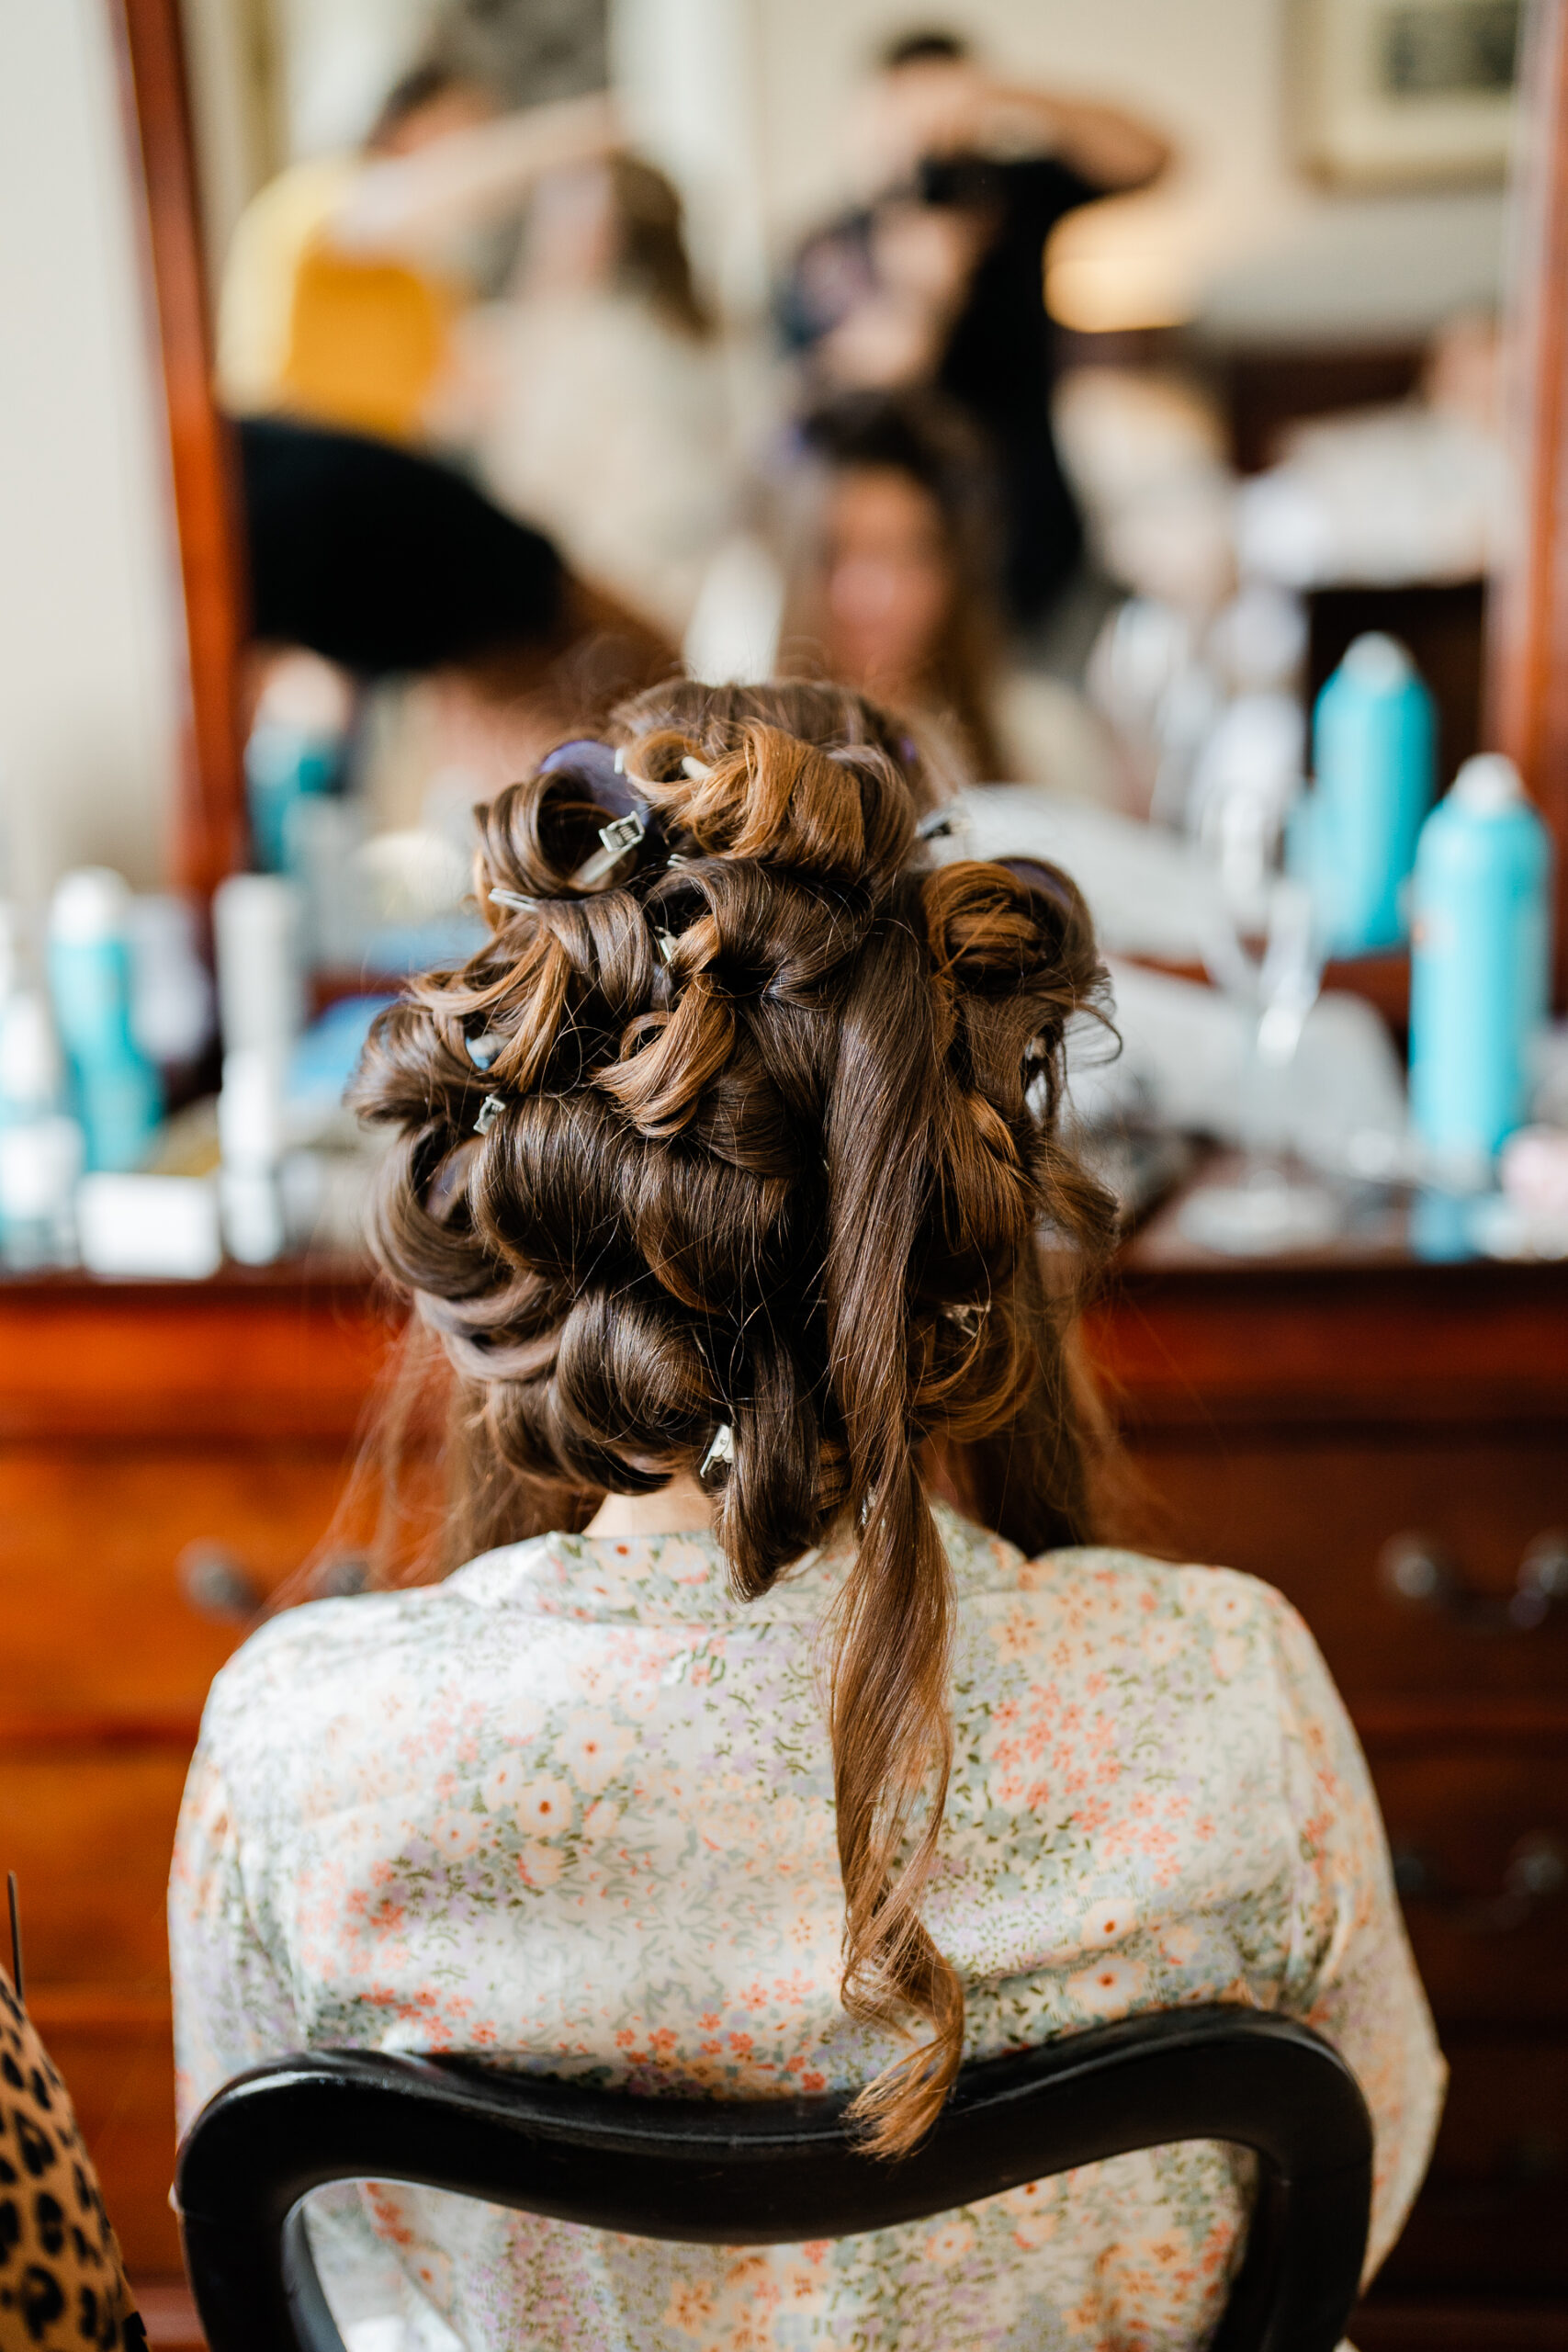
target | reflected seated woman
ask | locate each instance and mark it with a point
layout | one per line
(890, 524)
(802, 1736)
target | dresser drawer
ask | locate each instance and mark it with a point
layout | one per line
(1490, 2217)
(1480, 1846)
(128, 1576)
(1418, 1562)
(116, 2058)
(89, 1834)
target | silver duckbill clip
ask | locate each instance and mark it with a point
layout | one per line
(491, 1110)
(619, 835)
(721, 1450)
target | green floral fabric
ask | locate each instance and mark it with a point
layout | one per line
(572, 1810)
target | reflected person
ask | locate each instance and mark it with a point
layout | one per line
(939, 276)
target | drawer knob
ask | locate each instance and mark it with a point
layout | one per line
(1536, 1872)
(1417, 1570)
(340, 1577)
(218, 1585)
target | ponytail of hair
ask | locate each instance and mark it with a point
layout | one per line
(892, 1738)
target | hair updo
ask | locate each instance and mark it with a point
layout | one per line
(757, 1128)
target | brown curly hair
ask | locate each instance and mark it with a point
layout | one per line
(769, 1142)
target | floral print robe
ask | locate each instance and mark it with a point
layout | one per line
(572, 1810)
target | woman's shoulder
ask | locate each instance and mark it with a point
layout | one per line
(357, 1644)
(1108, 1596)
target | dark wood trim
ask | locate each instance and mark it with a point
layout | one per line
(95, 2009)
(1443, 2325)
(1528, 684)
(1447, 1720)
(209, 828)
(77, 1735)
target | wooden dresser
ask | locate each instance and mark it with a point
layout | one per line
(1385, 1440)
(165, 1450)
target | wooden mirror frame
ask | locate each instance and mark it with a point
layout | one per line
(1528, 636)
(1527, 695)
(211, 830)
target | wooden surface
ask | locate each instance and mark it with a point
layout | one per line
(1295, 1419)
(211, 824)
(1287, 1418)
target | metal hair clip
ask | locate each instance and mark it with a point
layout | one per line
(667, 943)
(619, 835)
(968, 1318)
(491, 1110)
(721, 1450)
(516, 900)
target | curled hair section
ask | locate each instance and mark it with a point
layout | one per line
(751, 1135)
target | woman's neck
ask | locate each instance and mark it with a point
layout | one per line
(682, 1508)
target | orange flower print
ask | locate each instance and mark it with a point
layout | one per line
(692, 2306)
(545, 1807)
(1109, 1988)
(951, 2242)
(1107, 1923)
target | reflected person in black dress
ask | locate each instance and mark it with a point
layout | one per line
(938, 278)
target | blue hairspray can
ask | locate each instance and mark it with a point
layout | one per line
(1374, 762)
(1479, 963)
(115, 1085)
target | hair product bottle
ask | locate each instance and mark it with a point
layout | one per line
(40, 1148)
(1479, 963)
(257, 925)
(89, 979)
(1374, 754)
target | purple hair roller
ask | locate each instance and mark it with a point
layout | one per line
(598, 768)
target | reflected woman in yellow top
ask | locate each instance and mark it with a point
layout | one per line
(345, 275)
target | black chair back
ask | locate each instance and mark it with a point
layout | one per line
(770, 2172)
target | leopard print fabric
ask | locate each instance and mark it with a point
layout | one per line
(61, 2285)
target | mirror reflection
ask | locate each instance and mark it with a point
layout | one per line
(1083, 392)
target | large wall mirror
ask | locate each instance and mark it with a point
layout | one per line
(592, 260)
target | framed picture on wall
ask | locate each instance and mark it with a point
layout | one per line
(1404, 93)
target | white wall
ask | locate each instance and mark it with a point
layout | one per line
(87, 671)
(1234, 232)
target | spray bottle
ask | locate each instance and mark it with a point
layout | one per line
(1373, 751)
(41, 1147)
(89, 979)
(1479, 964)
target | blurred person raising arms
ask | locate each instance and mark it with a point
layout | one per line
(598, 397)
(939, 276)
(345, 274)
